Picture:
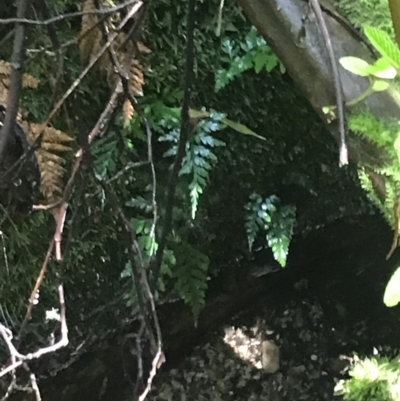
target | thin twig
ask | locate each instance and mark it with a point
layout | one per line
(219, 23)
(6, 37)
(61, 208)
(36, 288)
(183, 137)
(19, 359)
(93, 61)
(58, 51)
(140, 282)
(158, 360)
(104, 11)
(343, 154)
(127, 167)
(154, 178)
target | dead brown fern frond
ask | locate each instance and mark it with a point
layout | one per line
(28, 81)
(51, 164)
(126, 52)
(128, 111)
(90, 35)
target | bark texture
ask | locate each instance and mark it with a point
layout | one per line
(291, 30)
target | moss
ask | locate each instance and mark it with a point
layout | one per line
(367, 12)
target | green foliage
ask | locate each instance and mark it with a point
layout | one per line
(384, 134)
(273, 219)
(190, 273)
(384, 183)
(199, 158)
(225, 122)
(384, 44)
(382, 68)
(184, 269)
(253, 53)
(367, 12)
(392, 292)
(371, 379)
(146, 235)
(381, 71)
(95, 251)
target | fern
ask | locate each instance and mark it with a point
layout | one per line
(375, 378)
(185, 265)
(91, 41)
(386, 135)
(190, 273)
(273, 219)
(280, 232)
(253, 53)
(52, 142)
(145, 235)
(50, 157)
(199, 159)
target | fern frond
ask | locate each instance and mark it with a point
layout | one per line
(190, 272)
(136, 78)
(28, 81)
(51, 164)
(128, 111)
(90, 35)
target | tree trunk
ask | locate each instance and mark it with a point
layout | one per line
(291, 30)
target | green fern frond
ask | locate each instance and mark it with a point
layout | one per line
(190, 273)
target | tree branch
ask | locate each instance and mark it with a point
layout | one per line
(105, 11)
(17, 63)
(183, 137)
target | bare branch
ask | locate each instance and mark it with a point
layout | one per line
(105, 11)
(17, 63)
(158, 360)
(6, 37)
(154, 178)
(343, 158)
(36, 288)
(93, 61)
(183, 137)
(18, 359)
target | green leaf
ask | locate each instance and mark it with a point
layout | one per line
(355, 65)
(382, 69)
(392, 292)
(385, 46)
(379, 85)
(242, 129)
(190, 272)
(260, 60)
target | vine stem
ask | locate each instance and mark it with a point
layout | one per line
(183, 138)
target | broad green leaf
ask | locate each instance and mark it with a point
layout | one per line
(379, 85)
(355, 65)
(385, 46)
(392, 292)
(382, 69)
(196, 114)
(260, 60)
(238, 127)
(242, 129)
